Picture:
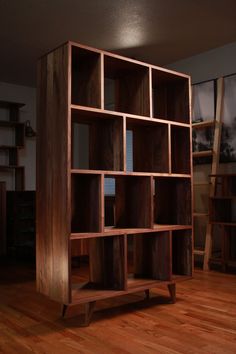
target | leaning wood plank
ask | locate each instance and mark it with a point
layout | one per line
(214, 168)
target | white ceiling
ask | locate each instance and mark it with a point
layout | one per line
(155, 31)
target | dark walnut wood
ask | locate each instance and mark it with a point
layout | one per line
(138, 234)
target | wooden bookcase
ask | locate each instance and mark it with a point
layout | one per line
(14, 130)
(142, 236)
(20, 210)
(223, 219)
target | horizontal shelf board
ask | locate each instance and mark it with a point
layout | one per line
(223, 223)
(216, 260)
(111, 231)
(202, 125)
(201, 184)
(127, 173)
(200, 215)
(161, 227)
(225, 175)
(199, 252)
(7, 123)
(202, 153)
(7, 104)
(11, 167)
(129, 115)
(10, 147)
(81, 293)
(223, 197)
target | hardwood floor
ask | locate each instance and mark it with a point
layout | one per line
(203, 320)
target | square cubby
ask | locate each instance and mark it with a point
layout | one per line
(86, 203)
(172, 201)
(127, 86)
(97, 141)
(128, 203)
(85, 77)
(170, 94)
(147, 147)
(180, 150)
(148, 257)
(102, 269)
(182, 252)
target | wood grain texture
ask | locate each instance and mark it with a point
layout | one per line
(182, 252)
(30, 323)
(170, 96)
(86, 78)
(131, 82)
(133, 202)
(149, 253)
(180, 150)
(154, 137)
(86, 191)
(87, 215)
(106, 262)
(53, 163)
(172, 201)
(105, 140)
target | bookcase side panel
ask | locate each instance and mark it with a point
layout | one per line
(53, 192)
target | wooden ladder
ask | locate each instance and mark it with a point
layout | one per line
(215, 153)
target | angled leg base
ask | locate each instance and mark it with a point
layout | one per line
(147, 294)
(64, 309)
(172, 291)
(89, 308)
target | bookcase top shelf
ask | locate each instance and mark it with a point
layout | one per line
(115, 231)
(126, 59)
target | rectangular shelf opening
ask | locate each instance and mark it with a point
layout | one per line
(148, 257)
(97, 141)
(226, 185)
(148, 148)
(86, 191)
(180, 150)
(223, 210)
(13, 134)
(127, 88)
(102, 269)
(85, 77)
(170, 96)
(172, 201)
(8, 155)
(182, 252)
(129, 205)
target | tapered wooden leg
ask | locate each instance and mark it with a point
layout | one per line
(89, 307)
(172, 291)
(147, 294)
(64, 309)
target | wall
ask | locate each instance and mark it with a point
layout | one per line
(27, 156)
(209, 65)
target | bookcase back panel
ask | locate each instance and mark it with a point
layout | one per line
(170, 94)
(149, 250)
(172, 201)
(130, 86)
(182, 252)
(149, 146)
(97, 141)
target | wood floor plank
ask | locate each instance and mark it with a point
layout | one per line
(203, 319)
